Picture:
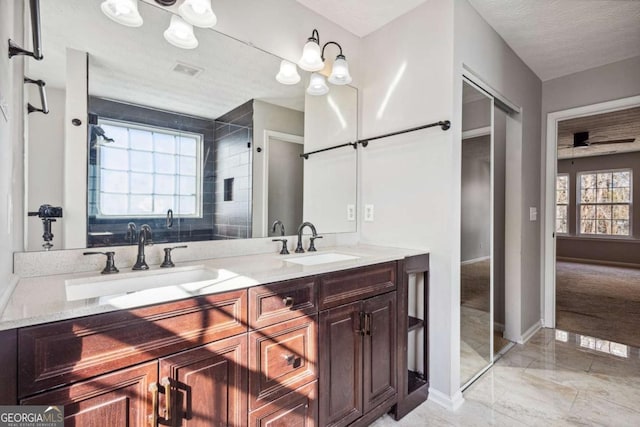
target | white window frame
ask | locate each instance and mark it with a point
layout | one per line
(568, 204)
(579, 204)
(199, 182)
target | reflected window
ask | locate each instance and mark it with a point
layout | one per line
(604, 202)
(562, 203)
(144, 171)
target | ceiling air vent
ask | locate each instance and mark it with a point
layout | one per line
(187, 70)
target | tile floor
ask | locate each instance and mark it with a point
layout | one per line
(556, 379)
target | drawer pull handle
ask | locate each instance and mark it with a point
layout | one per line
(153, 418)
(287, 301)
(289, 358)
(166, 383)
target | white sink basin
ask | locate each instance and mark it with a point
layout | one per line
(123, 283)
(321, 259)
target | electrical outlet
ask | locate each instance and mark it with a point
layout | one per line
(351, 212)
(533, 214)
(368, 213)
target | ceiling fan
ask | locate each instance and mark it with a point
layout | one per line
(581, 139)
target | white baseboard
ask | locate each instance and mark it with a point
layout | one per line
(450, 403)
(530, 332)
(4, 298)
(473, 261)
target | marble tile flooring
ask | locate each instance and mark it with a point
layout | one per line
(555, 379)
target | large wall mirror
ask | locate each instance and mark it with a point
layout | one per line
(200, 144)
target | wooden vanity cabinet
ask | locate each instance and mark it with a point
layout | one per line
(324, 350)
(358, 372)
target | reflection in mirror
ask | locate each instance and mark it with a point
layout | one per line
(200, 144)
(476, 326)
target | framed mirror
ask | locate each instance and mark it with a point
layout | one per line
(200, 144)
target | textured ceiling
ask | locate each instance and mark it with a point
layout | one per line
(136, 64)
(560, 37)
(622, 124)
(361, 17)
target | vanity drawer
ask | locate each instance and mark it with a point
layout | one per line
(347, 286)
(72, 350)
(277, 302)
(298, 408)
(281, 358)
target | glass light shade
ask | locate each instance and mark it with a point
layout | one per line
(317, 85)
(340, 72)
(311, 59)
(288, 74)
(198, 13)
(123, 12)
(180, 34)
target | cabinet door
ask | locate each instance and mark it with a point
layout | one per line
(208, 385)
(380, 373)
(340, 365)
(121, 398)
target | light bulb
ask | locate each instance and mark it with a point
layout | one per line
(288, 74)
(340, 72)
(311, 59)
(317, 85)
(198, 13)
(123, 12)
(180, 34)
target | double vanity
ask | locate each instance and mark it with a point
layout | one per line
(304, 339)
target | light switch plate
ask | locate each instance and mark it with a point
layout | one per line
(368, 213)
(533, 214)
(351, 212)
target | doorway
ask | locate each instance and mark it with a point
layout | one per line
(590, 257)
(283, 180)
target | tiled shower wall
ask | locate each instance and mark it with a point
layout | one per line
(232, 151)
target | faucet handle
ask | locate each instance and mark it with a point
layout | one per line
(312, 247)
(167, 263)
(110, 267)
(284, 250)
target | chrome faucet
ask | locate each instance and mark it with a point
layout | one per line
(144, 238)
(314, 236)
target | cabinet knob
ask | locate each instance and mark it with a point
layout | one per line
(289, 358)
(287, 301)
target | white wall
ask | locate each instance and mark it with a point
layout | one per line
(413, 180)
(330, 177)
(11, 137)
(45, 164)
(480, 49)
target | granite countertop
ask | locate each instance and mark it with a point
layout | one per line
(43, 299)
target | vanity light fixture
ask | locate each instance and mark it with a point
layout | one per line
(312, 59)
(124, 12)
(198, 13)
(288, 74)
(317, 85)
(180, 34)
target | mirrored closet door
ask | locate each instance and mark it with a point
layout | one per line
(476, 256)
(482, 245)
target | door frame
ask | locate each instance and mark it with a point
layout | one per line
(268, 135)
(551, 165)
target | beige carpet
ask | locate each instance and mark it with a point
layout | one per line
(475, 285)
(599, 301)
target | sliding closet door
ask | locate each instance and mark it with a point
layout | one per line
(476, 292)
